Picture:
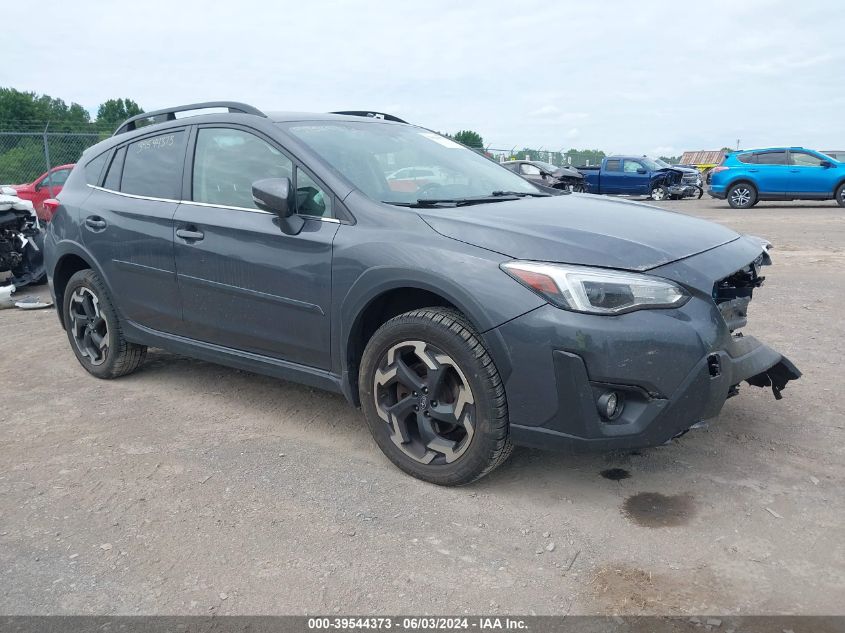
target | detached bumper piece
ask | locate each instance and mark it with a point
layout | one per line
(776, 377)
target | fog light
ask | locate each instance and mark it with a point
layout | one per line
(610, 405)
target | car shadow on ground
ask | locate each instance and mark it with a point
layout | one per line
(556, 475)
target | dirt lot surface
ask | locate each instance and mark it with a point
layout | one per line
(189, 488)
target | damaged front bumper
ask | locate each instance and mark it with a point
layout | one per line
(670, 368)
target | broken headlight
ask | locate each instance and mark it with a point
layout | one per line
(596, 290)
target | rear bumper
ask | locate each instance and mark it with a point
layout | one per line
(717, 192)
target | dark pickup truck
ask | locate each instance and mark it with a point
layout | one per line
(639, 176)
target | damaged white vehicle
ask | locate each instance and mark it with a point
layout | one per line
(21, 241)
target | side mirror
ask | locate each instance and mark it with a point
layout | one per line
(641, 171)
(274, 195)
(826, 164)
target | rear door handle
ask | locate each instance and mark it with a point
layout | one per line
(754, 170)
(95, 222)
(190, 234)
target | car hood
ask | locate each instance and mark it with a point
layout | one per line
(580, 229)
(567, 172)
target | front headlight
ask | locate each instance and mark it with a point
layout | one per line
(596, 290)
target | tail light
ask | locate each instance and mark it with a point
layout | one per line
(716, 170)
(50, 206)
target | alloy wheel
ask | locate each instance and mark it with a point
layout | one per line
(658, 193)
(88, 327)
(426, 400)
(741, 196)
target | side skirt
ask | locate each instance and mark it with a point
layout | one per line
(238, 359)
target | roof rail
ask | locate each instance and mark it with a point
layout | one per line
(169, 114)
(371, 115)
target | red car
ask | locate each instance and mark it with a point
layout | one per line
(39, 190)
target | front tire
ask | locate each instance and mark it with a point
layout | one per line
(659, 193)
(93, 329)
(742, 196)
(433, 398)
(840, 195)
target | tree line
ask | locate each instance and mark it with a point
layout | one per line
(24, 116)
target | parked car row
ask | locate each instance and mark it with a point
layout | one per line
(777, 173)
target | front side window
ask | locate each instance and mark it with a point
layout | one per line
(226, 163)
(806, 160)
(772, 158)
(369, 153)
(311, 198)
(153, 166)
(530, 170)
(631, 166)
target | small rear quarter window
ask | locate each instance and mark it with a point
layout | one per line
(94, 169)
(747, 158)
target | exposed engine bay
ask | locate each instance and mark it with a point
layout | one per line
(21, 241)
(732, 295)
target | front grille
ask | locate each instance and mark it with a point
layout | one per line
(733, 294)
(690, 178)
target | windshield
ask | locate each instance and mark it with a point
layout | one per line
(546, 166)
(662, 162)
(652, 164)
(403, 163)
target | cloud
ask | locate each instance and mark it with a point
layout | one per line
(502, 68)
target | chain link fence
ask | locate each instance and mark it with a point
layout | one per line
(29, 150)
(570, 157)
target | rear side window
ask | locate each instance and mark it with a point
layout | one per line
(94, 169)
(772, 158)
(613, 165)
(153, 166)
(747, 158)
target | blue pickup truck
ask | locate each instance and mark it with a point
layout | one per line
(640, 176)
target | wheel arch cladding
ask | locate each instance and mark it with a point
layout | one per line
(742, 180)
(67, 265)
(381, 308)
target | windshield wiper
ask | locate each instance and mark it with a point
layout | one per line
(496, 196)
(521, 194)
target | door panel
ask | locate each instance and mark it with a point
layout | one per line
(808, 176)
(132, 239)
(771, 174)
(248, 286)
(635, 183)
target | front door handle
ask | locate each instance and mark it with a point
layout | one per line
(190, 234)
(95, 222)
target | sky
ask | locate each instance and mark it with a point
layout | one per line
(656, 77)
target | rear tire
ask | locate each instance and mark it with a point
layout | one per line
(93, 329)
(742, 196)
(433, 398)
(840, 195)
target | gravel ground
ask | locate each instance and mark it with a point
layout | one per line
(189, 488)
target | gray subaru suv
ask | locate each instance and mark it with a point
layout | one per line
(463, 309)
